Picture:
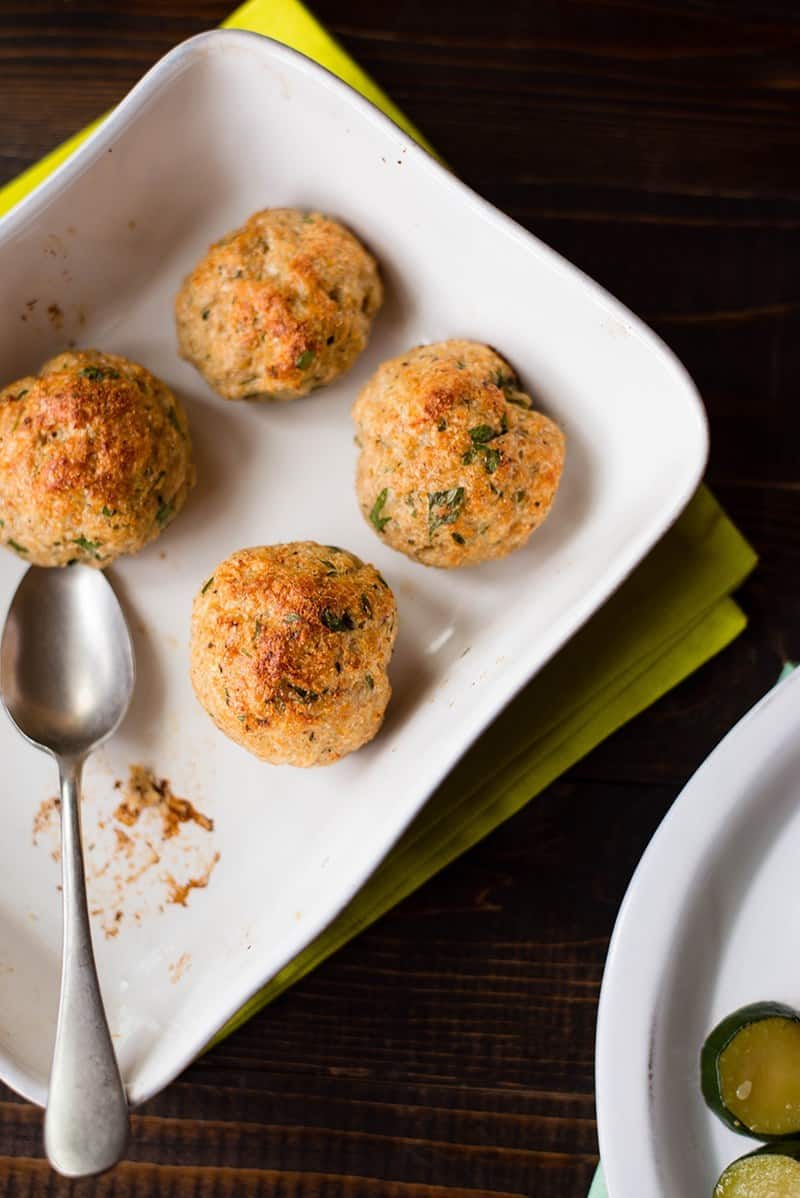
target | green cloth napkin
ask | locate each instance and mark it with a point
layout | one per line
(669, 617)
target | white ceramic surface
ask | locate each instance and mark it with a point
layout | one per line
(227, 123)
(711, 921)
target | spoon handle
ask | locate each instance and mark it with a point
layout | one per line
(86, 1124)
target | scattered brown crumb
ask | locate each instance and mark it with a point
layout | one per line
(178, 892)
(138, 845)
(145, 790)
(123, 840)
(45, 816)
(179, 967)
(111, 926)
(55, 316)
(152, 859)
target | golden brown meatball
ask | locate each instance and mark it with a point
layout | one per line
(95, 460)
(278, 307)
(289, 650)
(455, 466)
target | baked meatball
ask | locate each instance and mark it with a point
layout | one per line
(279, 307)
(95, 460)
(455, 467)
(289, 650)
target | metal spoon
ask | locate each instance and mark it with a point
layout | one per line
(66, 678)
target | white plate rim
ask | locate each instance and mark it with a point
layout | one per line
(628, 1014)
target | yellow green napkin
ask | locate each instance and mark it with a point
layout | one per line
(671, 615)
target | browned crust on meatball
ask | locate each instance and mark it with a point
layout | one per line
(279, 307)
(456, 467)
(290, 646)
(95, 460)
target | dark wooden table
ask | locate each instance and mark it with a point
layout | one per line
(656, 143)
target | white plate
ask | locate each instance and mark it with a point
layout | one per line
(711, 921)
(230, 122)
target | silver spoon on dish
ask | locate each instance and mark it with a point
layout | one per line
(66, 679)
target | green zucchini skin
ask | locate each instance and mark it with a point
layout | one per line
(716, 1042)
(789, 1147)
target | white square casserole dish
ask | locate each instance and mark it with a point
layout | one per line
(227, 123)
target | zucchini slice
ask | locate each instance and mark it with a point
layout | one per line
(750, 1071)
(768, 1173)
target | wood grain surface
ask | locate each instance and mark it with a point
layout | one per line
(656, 143)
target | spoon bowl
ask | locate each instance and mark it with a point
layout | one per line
(66, 679)
(66, 660)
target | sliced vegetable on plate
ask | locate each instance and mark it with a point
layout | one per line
(772, 1172)
(750, 1072)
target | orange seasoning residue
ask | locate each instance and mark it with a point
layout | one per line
(177, 969)
(45, 817)
(179, 892)
(123, 851)
(124, 842)
(111, 926)
(145, 790)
